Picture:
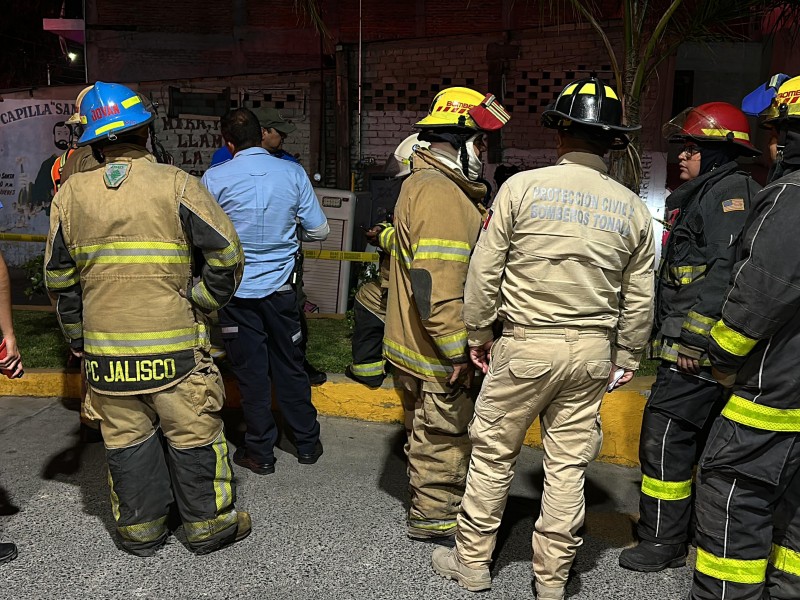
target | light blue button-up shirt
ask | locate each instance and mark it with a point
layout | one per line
(265, 198)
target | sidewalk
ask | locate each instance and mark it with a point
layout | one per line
(340, 397)
(334, 530)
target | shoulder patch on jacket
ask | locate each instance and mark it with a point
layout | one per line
(487, 218)
(733, 204)
(115, 174)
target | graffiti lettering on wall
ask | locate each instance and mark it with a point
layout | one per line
(42, 109)
(27, 153)
(191, 142)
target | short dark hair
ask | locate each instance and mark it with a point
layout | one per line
(240, 127)
(597, 139)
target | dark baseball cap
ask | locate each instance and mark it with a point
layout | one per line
(271, 118)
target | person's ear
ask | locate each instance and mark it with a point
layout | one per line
(231, 148)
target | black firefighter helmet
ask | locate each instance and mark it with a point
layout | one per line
(592, 104)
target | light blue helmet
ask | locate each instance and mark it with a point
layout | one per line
(109, 109)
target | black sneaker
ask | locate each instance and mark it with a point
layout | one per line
(241, 458)
(315, 377)
(8, 552)
(650, 557)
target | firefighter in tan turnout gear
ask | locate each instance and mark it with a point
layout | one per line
(125, 240)
(565, 261)
(436, 225)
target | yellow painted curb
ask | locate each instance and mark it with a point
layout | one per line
(339, 397)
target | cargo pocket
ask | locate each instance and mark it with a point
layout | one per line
(528, 369)
(595, 441)
(208, 393)
(230, 338)
(598, 369)
(756, 455)
(485, 423)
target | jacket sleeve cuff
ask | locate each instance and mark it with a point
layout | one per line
(624, 358)
(478, 337)
(691, 351)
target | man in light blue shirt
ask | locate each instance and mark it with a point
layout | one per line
(270, 201)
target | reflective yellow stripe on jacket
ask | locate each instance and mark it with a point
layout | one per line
(749, 413)
(732, 341)
(373, 369)
(666, 490)
(227, 257)
(731, 569)
(454, 345)
(439, 249)
(415, 362)
(666, 350)
(131, 252)
(785, 559)
(144, 343)
(687, 274)
(61, 279)
(697, 323)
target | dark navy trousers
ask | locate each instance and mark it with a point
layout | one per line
(263, 341)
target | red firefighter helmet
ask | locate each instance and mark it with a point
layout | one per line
(712, 122)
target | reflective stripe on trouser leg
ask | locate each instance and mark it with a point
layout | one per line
(672, 430)
(140, 494)
(734, 528)
(783, 572)
(203, 481)
(367, 346)
(438, 452)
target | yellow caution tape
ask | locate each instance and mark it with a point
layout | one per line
(22, 237)
(340, 255)
(310, 254)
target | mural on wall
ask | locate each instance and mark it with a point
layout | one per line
(27, 152)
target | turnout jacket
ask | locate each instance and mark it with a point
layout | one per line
(436, 224)
(373, 294)
(565, 246)
(698, 258)
(758, 336)
(125, 240)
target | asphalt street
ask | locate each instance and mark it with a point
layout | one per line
(334, 530)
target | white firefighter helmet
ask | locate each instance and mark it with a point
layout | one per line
(399, 163)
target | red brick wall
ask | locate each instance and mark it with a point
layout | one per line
(401, 79)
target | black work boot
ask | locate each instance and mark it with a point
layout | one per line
(8, 552)
(315, 377)
(650, 557)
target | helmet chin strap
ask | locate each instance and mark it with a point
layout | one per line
(471, 164)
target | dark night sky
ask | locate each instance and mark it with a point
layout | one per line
(27, 49)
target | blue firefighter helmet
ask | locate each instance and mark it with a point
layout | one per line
(109, 109)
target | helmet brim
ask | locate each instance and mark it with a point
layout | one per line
(90, 135)
(744, 148)
(551, 118)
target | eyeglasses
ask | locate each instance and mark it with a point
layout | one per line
(690, 151)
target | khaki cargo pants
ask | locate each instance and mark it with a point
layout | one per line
(559, 375)
(437, 448)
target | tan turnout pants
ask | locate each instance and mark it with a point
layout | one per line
(560, 375)
(437, 448)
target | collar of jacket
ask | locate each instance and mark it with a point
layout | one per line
(689, 189)
(585, 159)
(475, 191)
(127, 151)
